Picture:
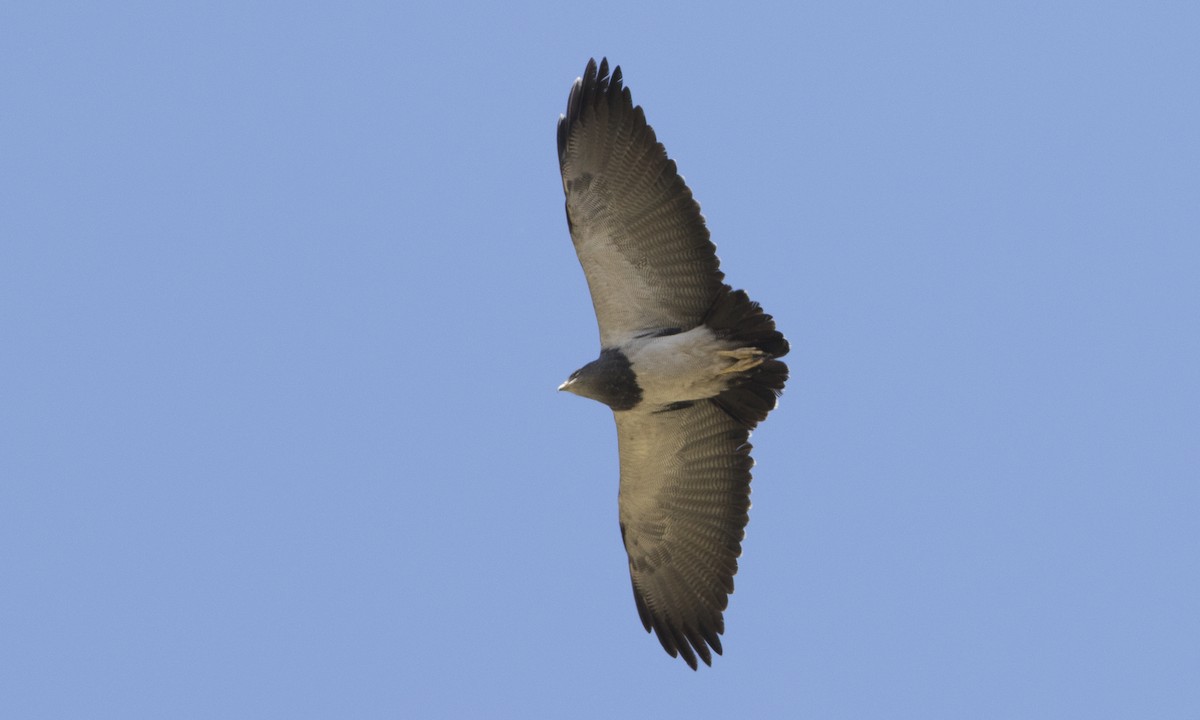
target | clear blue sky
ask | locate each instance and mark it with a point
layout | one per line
(286, 291)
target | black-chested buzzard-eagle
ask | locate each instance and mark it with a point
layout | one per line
(688, 365)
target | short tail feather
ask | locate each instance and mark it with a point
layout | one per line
(735, 317)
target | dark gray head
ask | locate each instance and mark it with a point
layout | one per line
(609, 379)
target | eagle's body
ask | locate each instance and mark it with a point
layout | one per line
(674, 368)
(688, 365)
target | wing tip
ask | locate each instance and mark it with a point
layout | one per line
(596, 84)
(682, 640)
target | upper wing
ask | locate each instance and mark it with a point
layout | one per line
(685, 494)
(638, 232)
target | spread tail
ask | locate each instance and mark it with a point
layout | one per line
(753, 393)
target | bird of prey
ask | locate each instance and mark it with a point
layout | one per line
(688, 365)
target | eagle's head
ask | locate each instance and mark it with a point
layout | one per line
(608, 379)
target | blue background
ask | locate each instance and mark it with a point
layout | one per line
(286, 290)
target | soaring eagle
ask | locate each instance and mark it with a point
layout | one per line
(688, 365)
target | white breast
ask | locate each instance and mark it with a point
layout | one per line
(680, 367)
